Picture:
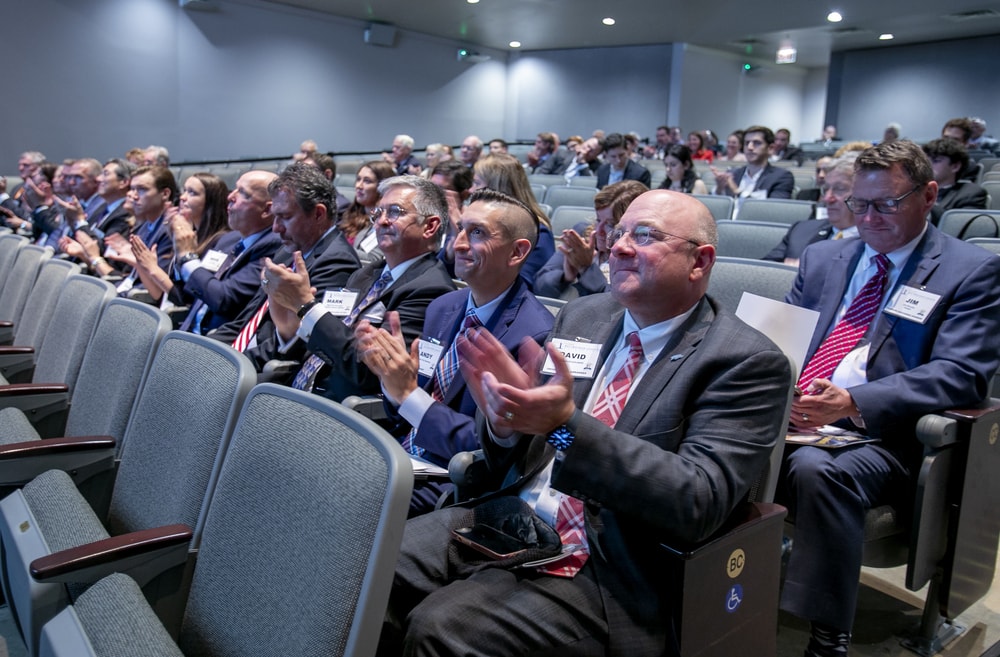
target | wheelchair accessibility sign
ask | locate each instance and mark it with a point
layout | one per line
(734, 598)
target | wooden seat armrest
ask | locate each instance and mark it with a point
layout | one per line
(4, 323)
(90, 562)
(12, 350)
(19, 389)
(54, 446)
(974, 414)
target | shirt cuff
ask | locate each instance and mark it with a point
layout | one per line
(188, 268)
(284, 346)
(309, 321)
(415, 406)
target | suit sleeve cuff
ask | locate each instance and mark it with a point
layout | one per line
(309, 321)
(188, 268)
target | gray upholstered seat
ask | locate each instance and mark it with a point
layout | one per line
(567, 216)
(566, 195)
(748, 239)
(19, 279)
(286, 565)
(965, 223)
(776, 210)
(178, 429)
(731, 277)
(41, 302)
(721, 207)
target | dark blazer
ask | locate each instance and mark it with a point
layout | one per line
(794, 153)
(333, 341)
(963, 194)
(554, 164)
(633, 171)
(779, 183)
(228, 292)
(117, 221)
(330, 264)
(693, 437)
(800, 235)
(544, 247)
(549, 280)
(914, 369)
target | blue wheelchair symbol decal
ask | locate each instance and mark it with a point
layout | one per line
(734, 598)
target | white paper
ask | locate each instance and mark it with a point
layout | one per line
(790, 327)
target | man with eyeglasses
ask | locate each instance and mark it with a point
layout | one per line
(321, 319)
(839, 221)
(909, 324)
(652, 427)
(472, 148)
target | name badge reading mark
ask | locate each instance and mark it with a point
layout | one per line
(339, 302)
(581, 357)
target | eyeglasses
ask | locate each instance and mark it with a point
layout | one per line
(644, 235)
(392, 213)
(840, 191)
(884, 206)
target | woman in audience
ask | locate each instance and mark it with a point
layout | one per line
(580, 266)
(504, 173)
(697, 145)
(195, 226)
(681, 176)
(355, 223)
(734, 148)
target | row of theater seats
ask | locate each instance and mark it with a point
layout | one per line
(184, 504)
(175, 421)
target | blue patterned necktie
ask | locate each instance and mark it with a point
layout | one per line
(444, 374)
(306, 378)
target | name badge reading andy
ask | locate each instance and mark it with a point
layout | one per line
(339, 302)
(581, 357)
(913, 304)
(213, 260)
(430, 354)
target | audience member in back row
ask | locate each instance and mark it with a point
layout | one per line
(662, 451)
(87, 244)
(734, 148)
(545, 157)
(759, 178)
(425, 395)
(196, 227)
(300, 202)
(909, 324)
(681, 176)
(224, 282)
(505, 174)
(328, 166)
(455, 180)
(401, 159)
(949, 160)
(781, 149)
(580, 265)
(839, 222)
(408, 221)
(696, 143)
(815, 193)
(617, 166)
(356, 223)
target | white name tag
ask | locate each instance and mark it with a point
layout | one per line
(606, 270)
(339, 302)
(581, 357)
(213, 260)
(912, 304)
(430, 354)
(369, 242)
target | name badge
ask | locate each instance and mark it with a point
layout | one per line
(430, 354)
(581, 357)
(912, 304)
(213, 260)
(339, 302)
(369, 243)
(606, 270)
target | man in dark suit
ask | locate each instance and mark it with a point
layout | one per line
(617, 166)
(949, 159)
(402, 158)
(300, 207)
(436, 412)
(87, 243)
(83, 179)
(758, 178)
(408, 221)
(227, 278)
(839, 222)
(781, 149)
(546, 158)
(666, 458)
(928, 343)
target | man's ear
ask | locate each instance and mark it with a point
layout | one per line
(520, 250)
(431, 225)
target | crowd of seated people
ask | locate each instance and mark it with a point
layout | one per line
(361, 300)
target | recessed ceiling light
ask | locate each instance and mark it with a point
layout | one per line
(608, 21)
(472, 2)
(834, 17)
(886, 37)
(515, 44)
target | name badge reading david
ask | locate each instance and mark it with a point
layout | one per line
(339, 302)
(913, 304)
(213, 260)
(581, 357)
(430, 354)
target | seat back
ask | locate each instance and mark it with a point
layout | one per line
(566, 195)
(748, 239)
(552, 305)
(177, 431)
(731, 277)
(10, 244)
(74, 319)
(567, 216)
(20, 278)
(988, 243)
(965, 223)
(126, 336)
(776, 210)
(41, 303)
(721, 207)
(992, 188)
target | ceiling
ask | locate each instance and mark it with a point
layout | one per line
(757, 29)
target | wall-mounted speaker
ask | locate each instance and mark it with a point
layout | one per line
(380, 34)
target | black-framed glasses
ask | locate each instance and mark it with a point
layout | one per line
(392, 213)
(644, 235)
(882, 206)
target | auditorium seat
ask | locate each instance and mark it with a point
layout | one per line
(776, 210)
(721, 207)
(964, 223)
(748, 239)
(41, 301)
(17, 283)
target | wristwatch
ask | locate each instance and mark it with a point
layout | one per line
(561, 438)
(187, 257)
(306, 307)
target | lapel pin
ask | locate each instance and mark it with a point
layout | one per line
(676, 357)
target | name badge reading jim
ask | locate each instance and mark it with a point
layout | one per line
(430, 354)
(581, 357)
(913, 304)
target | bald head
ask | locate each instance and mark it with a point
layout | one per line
(249, 204)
